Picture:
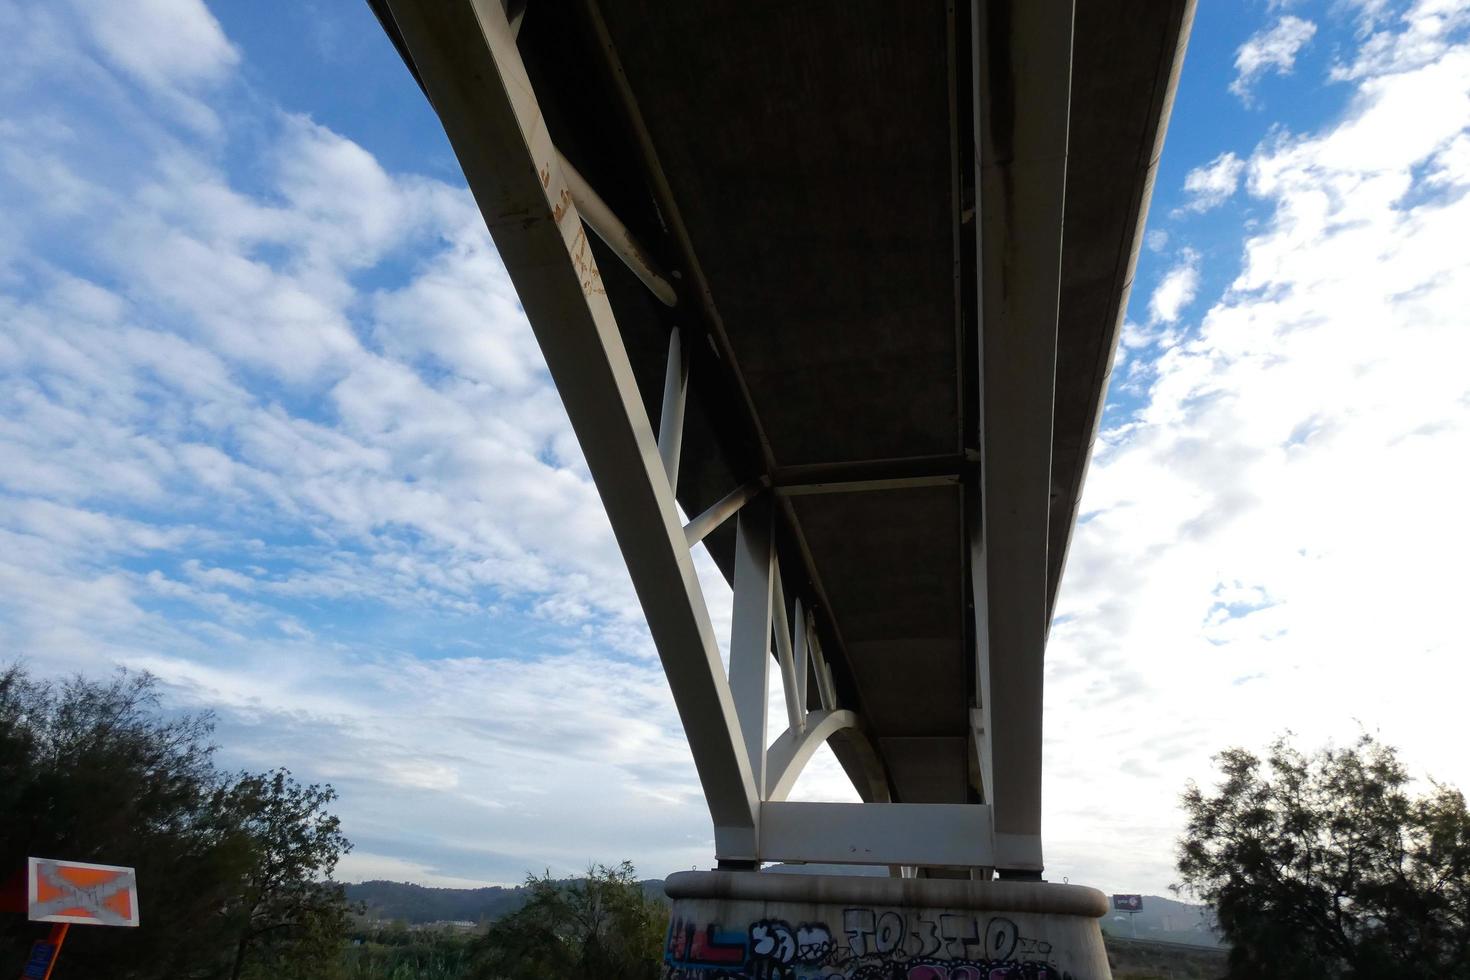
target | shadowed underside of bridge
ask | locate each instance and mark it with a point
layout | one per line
(851, 294)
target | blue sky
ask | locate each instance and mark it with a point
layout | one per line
(273, 426)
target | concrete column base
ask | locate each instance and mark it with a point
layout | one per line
(730, 924)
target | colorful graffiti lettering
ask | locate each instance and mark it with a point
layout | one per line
(693, 948)
(882, 944)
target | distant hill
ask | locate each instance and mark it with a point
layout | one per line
(1161, 918)
(417, 904)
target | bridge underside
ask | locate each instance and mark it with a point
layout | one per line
(857, 273)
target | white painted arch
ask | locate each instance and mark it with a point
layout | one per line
(788, 755)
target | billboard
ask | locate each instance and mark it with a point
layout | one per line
(1128, 903)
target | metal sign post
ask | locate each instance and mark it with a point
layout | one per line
(44, 953)
(1132, 904)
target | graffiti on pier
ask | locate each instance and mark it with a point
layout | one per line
(699, 950)
(877, 944)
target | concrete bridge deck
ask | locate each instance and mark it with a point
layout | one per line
(862, 266)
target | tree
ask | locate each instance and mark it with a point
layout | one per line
(97, 771)
(603, 926)
(290, 912)
(1325, 866)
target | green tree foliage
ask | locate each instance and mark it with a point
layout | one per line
(96, 771)
(1326, 866)
(289, 912)
(602, 927)
(399, 953)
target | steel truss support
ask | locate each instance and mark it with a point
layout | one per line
(750, 633)
(720, 511)
(671, 416)
(601, 219)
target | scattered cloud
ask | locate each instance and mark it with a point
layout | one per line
(1429, 29)
(160, 43)
(1176, 289)
(1212, 184)
(1271, 50)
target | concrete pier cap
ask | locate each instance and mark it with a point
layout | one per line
(729, 924)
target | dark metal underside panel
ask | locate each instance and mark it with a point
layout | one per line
(807, 146)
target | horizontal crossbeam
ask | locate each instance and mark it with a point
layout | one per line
(720, 511)
(936, 835)
(592, 209)
(869, 475)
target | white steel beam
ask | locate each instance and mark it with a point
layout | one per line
(936, 835)
(789, 754)
(515, 14)
(601, 219)
(721, 511)
(795, 710)
(1023, 60)
(826, 690)
(983, 758)
(750, 632)
(671, 413)
(799, 633)
(465, 54)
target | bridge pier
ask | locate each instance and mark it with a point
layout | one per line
(729, 924)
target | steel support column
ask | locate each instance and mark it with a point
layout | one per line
(750, 633)
(671, 413)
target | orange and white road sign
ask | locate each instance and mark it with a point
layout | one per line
(87, 894)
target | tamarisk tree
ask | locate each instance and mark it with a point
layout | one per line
(1328, 866)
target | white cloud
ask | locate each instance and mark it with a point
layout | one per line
(161, 43)
(1429, 28)
(1273, 539)
(1273, 49)
(1176, 289)
(1213, 183)
(174, 49)
(352, 519)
